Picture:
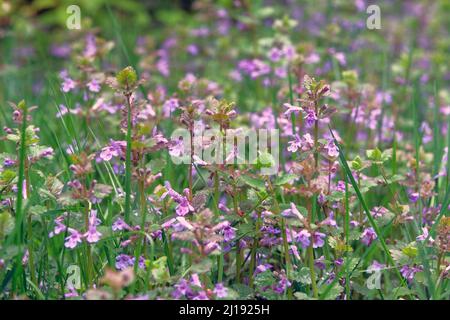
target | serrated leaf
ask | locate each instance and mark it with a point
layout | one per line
(284, 179)
(303, 276)
(252, 182)
(203, 266)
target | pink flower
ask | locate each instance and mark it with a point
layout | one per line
(332, 150)
(318, 239)
(74, 239)
(368, 236)
(92, 235)
(68, 84)
(291, 109)
(176, 148)
(310, 118)
(304, 238)
(120, 225)
(295, 144)
(93, 85)
(220, 291)
(60, 227)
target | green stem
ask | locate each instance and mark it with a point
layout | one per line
(251, 270)
(310, 253)
(89, 262)
(30, 252)
(128, 162)
(21, 178)
(277, 212)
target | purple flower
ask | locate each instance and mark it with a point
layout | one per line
(413, 197)
(201, 296)
(92, 235)
(192, 49)
(176, 148)
(282, 285)
(62, 111)
(170, 106)
(93, 85)
(409, 272)
(120, 225)
(304, 238)
(113, 150)
(318, 239)
(195, 280)
(330, 221)
(375, 266)
(60, 227)
(291, 109)
(68, 84)
(8, 162)
(91, 47)
(281, 72)
(46, 153)
(320, 263)
(293, 250)
(295, 144)
(424, 236)
(184, 207)
(310, 118)
(339, 262)
(124, 261)
(74, 239)
(378, 212)
(229, 233)
(220, 291)
(332, 150)
(60, 51)
(307, 142)
(72, 292)
(262, 267)
(182, 288)
(368, 236)
(275, 54)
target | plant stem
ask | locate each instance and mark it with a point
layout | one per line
(310, 252)
(283, 233)
(191, 132)
(128, 162)
(21, 178)
(316, 137)
(251, 270)
(89, 262)
(30, 252)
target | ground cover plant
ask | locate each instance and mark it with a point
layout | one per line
(106, 189)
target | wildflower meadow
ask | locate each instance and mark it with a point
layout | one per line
(224, 150)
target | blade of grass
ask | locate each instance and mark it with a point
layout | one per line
(366, 209)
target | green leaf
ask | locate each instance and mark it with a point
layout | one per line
(6, 224)
(252, 182)
(203, 266)
(402, 291)
(410, 251)
(284, 179)
(264, 279)
(37, 210)
(156, 165)
(127, 77)
(303, 276)
(159, 269)
(374, 154)
(357, 163)
(265, 160)
(333, 293)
